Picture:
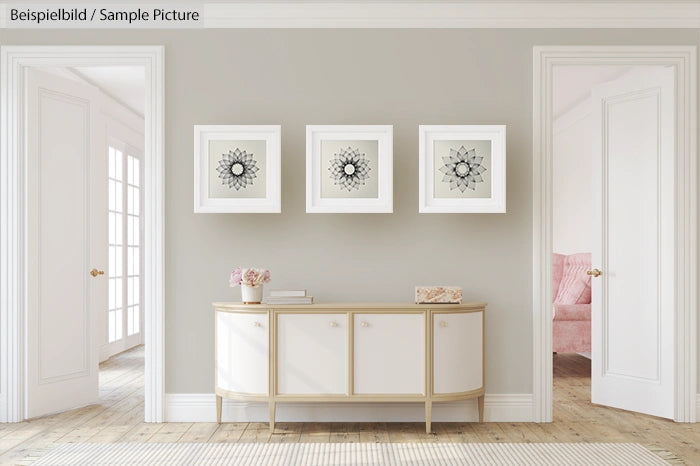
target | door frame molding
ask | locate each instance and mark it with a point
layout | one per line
(683, 58)
(14, 61)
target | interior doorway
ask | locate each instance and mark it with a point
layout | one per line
(573, 137)
(642, 100)
(85, 141)
(141, 199)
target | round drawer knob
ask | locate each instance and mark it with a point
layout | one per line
(334, 324)
(443, 323)
(364, 324)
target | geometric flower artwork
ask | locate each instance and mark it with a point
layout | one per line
(237, 169)
(349, 169)
(462, 169)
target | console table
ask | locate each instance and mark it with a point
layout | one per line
(359, 352)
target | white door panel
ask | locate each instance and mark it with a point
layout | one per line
(633, 209)
(457, 352)
(242, 352)
(312, 353)
(64, 220)
(389, 353)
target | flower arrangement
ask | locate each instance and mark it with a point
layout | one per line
(249, 276)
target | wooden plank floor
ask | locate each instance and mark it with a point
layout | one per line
(119, 418)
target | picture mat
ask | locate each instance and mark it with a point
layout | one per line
(441, 189)
(329, 188)
(216, 149)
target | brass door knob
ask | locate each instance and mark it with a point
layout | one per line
(95, 272)
(595, 273)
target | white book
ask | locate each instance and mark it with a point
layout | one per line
(289, 300)
(287, 293)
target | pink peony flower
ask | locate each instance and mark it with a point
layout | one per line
(236, 276)
(249, 276)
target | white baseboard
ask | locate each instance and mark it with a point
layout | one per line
(201, 407)
(697, 407)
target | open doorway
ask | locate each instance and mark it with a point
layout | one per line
(613, 233)
(643, 229)
(85, 143)
(114, 204)
(572, 229)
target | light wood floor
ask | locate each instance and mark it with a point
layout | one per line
(119, 418)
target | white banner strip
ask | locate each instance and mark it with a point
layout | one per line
(356, 14)
(101, 16)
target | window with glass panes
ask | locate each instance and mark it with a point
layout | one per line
(124, 306)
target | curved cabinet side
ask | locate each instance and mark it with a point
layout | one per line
(457, 352)
(242, 352)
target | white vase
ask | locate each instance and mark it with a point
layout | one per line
(251, 294)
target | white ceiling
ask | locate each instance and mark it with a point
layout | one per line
(123, 83)
(572, 84)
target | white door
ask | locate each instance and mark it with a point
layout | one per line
(312, 354)
(242, 352)
(458, 348)
(67, 217)
(633, 217)
(389, 353)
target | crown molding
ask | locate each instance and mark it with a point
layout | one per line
(460, 14)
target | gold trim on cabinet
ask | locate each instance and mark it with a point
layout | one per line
(351, 353)
(345, 307)
(272, 367)
(428, 369)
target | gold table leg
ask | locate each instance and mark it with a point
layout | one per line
(272, 415)
(428, 415)
(481, 408)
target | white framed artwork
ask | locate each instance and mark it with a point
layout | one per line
(462, 168)
(237, 169)
(349, 169)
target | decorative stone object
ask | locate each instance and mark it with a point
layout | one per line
(439, 294)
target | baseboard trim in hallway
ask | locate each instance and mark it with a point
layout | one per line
(201, 407)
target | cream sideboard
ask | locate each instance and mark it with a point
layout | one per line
(350, 353)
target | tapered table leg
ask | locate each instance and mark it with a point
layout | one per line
(272, 415)
(481, 408)
(428, 415)
(218, 409)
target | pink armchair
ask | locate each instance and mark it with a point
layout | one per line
(571, 291)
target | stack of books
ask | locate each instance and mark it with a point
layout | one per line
(288, 297)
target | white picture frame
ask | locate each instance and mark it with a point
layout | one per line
(257, 192)
(442, 189)
(369, 189)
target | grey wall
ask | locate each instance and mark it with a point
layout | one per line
(399, 77)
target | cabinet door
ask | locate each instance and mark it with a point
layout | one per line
(242, 352)
(311, 354)
(457, 352)
(389, 353)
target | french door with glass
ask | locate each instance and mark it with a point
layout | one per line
(124, 310)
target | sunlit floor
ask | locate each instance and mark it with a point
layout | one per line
(119, 418)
